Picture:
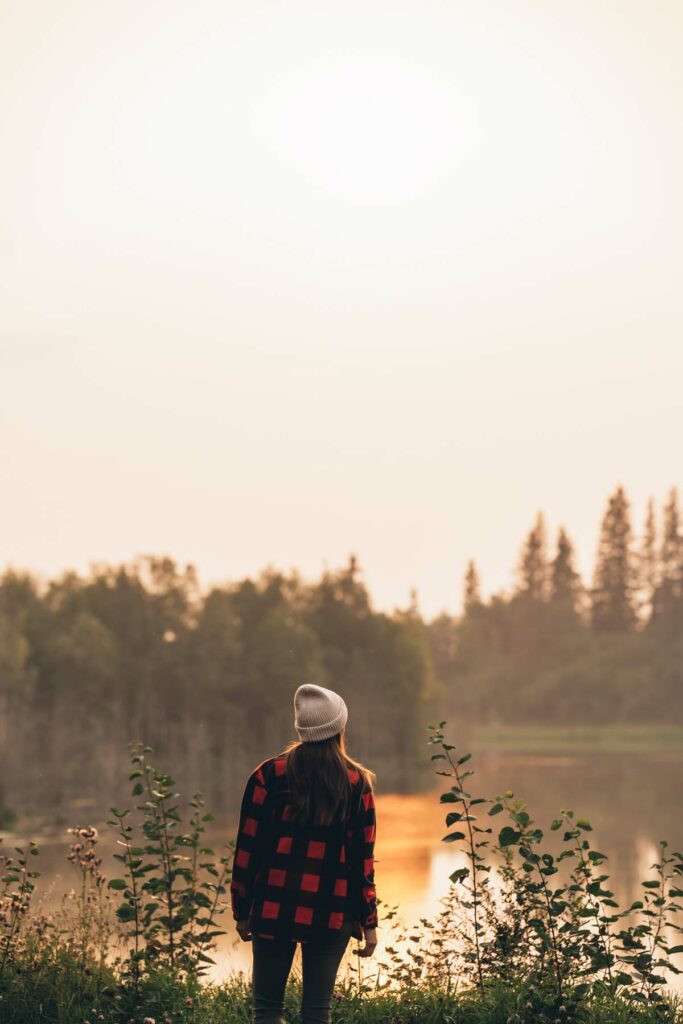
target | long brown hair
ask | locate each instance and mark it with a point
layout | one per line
(317, 775)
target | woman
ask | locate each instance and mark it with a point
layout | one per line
(303, 865)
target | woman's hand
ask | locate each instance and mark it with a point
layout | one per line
(370, 942)
(244, 931)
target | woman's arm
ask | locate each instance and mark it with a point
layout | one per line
(249, 844)
(363, 860)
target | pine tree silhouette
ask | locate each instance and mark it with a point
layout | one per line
(533, 565)
(668, 599)
(615, 577)
(472, 595)
(648, 563)
(565, 582)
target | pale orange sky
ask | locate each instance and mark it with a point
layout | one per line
(281, 281)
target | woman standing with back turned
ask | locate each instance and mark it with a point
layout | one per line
(303, 865)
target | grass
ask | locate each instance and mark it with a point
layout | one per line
(69, 996)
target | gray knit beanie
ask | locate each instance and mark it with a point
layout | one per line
(318, 713)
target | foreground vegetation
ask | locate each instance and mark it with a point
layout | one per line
(528, 930)
(170, 1001)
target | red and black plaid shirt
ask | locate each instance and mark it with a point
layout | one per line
(293, 881)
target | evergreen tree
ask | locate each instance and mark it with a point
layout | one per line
(649, 562)
(472, 595)
(669, 594)
(615, 576)
(533, 564)
(565, 582)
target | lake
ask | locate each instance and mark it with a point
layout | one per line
(631, 800)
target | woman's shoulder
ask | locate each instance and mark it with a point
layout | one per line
(269, 768)
(360, 777)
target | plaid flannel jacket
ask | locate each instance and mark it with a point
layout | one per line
(292, 881)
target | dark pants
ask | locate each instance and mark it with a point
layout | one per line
(320, 960)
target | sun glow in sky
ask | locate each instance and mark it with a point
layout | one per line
(282, 281)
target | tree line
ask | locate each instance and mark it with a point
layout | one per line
(139, 653)
(558, 649)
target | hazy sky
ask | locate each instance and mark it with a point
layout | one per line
(281, 281)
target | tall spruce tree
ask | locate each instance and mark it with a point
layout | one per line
(472, 589)
(533, 564)
(615, 577)
(648, 563)
(565, 582)
(668, 600)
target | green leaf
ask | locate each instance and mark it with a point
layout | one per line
(117, 883)
(496, 809)
(508, 836)
(452, 837)
(459, 875)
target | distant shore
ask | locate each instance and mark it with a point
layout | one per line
(546, 739)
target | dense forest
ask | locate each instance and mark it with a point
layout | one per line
(140, 652)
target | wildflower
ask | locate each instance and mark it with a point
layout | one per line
(188, 1001)
(148, 1020)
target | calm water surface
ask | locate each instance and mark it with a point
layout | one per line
(632, 801)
